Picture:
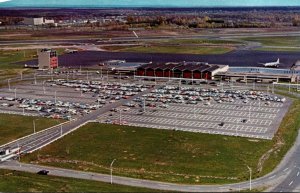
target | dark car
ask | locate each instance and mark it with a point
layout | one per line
(43, 172)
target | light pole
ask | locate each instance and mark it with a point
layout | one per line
(250, 111)
(111, 170)
(34, 78)
(15, 93)
(120, 116)
(8, 81)
(44, 87)
(250, 173)
(33, 126)
(55, 97)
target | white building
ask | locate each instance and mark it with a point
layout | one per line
(38, 21)
(34, 21)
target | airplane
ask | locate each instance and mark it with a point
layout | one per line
(70, 51)
(271, 64)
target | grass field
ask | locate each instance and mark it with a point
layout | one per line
(276, 41)
(173, 49)
(14, 181)
(15, 126)
(172, 156)
(8, 68)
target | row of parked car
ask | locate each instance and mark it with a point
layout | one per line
(104, 92)
(48, 108)
(189, 95)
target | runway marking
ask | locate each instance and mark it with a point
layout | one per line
(285, 169)
(291, 183)
(298, 173)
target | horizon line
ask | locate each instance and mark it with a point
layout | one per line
(171, 6)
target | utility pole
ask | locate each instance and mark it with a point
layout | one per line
(111, 170)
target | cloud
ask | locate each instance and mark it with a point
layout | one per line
(2, 1)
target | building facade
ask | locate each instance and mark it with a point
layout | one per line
(187, 70)
(47, 59)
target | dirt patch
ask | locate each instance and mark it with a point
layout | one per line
(279, 143)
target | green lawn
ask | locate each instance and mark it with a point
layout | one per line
(172, 156)
(15, 126)
(14, 181)
(173, 49)
(9, 58)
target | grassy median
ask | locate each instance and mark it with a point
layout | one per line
(16, 126)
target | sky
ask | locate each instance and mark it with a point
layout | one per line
(146, 3)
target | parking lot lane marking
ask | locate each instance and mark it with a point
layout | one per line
(291, 183)
(285, 169)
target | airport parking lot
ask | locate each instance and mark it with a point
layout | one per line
(201, 108)
(62, 98)
(246, 113)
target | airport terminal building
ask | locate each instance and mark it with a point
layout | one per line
(187, 70)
